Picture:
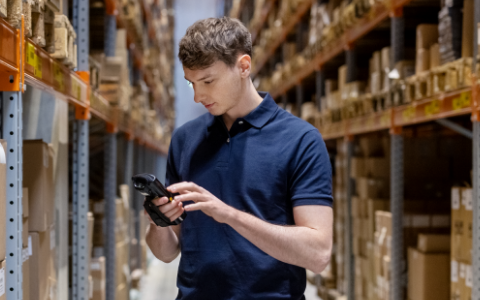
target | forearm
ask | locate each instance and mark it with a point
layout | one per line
(163, 242)
(301, 246)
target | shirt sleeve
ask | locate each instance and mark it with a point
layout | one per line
(311, 176)
(173, 155)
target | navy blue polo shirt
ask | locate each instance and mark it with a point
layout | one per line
(269, 162)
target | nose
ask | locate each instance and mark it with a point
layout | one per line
(197, 96)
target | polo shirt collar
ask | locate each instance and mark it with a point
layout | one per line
(257, 117)
(263, 112)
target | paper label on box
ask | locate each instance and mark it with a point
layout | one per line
(3, 157)
(30, 251)
(467, 199)
(2, 282)
(52, 239)
(468, 276)
(95, 266)
(455, 199)
(462, 270)
(25, 255)
(454, 271)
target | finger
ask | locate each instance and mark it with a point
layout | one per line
(184, 187)
(174, 212)
(164, 209)
(160, 201)
(178, 215)
(194, 196)
(194, 207)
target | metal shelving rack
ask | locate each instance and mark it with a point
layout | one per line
(72, 87)
(464, 102)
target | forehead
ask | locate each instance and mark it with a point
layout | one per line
(214, 69)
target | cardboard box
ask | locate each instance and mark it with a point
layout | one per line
(42, 262)
(457, 223)
(422, 60)
(3, 199)
(428, 275)
(25, 202)
(26, 274)
(434, 56)
(372, 187)
(377, 167)
(38, 178)
(3, 271)
(374, 206)
(25, 232)
(427, 35)
(467, 217)
(386, 59)
(91, 222)
(456, 287)
(98, 272)
(433, 243)
(358, 168)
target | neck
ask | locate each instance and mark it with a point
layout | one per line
(247, 102)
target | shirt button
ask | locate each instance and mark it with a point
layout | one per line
(228, 140)
(240, 122)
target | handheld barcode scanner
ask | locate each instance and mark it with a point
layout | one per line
(149, 186)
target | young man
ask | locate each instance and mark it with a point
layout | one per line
(254, 180)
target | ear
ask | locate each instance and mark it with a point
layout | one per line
(244, 63)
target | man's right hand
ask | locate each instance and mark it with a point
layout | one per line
(172, 210)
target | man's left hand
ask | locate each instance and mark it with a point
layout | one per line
(204, 201)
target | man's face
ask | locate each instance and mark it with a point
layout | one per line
(216, 87)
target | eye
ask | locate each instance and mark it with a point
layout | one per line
(208, 82)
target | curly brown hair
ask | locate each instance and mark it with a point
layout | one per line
(214, 39)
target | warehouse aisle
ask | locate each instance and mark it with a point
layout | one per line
(160, 282)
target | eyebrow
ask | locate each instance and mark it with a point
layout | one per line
(203, 78)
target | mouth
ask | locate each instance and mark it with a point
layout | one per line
(209, 105)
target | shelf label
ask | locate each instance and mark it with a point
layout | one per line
(386, 119)
(58, 76)
(38, 68)
(432, 108)
(461, 101)
(34, 60)
(408, 114)
(31, 56)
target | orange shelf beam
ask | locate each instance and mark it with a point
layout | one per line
(445, 105)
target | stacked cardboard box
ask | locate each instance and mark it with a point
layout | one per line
(427, 36)
(98, 273)
(340, 209)
(40, 219)
(461, 244)
(3, 199)
(380, 66)
(450, 31)
(428, 268)
(370, 170)
(3, 270)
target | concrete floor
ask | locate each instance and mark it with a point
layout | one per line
(160, 281)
